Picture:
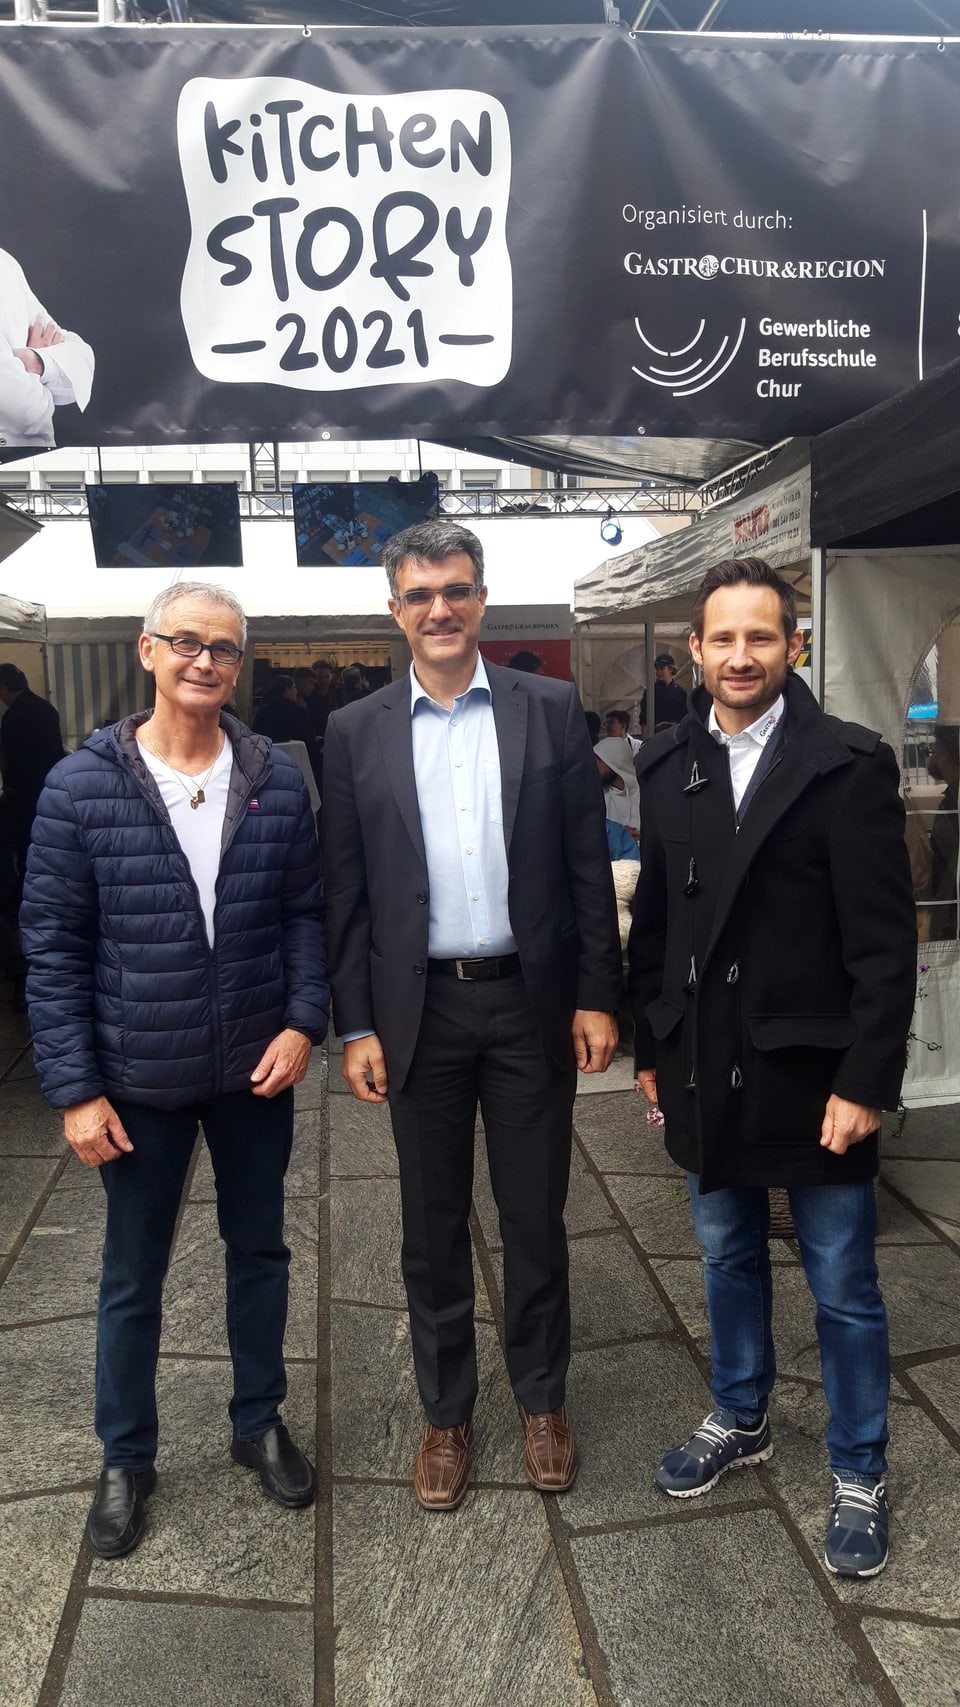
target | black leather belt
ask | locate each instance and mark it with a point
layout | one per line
(476, 970)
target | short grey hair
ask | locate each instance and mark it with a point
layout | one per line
(154, 621)
(430, 542)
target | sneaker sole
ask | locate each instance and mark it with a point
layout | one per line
(734, 1464)
(854, 1576)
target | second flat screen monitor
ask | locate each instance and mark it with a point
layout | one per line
(338, 522)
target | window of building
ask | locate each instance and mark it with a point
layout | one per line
(931, 772)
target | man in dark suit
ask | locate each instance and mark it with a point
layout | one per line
(30, 746)
(475, 956)
(772, 968)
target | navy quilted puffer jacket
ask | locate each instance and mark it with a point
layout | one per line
(126, 997)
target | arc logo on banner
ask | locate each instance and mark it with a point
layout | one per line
(316, 216)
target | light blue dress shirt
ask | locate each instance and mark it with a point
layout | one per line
(456, 762)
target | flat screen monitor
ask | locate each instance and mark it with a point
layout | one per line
(338, 522)
(166, 527)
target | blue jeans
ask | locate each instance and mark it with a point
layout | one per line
(836, 1227)
(249, 1139)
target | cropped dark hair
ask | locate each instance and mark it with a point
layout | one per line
(12, 679)
(431, 542)
(744, 571)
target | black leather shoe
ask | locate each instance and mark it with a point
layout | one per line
(117, 1518)
(287, 1476)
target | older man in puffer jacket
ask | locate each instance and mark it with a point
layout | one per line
(172, 922)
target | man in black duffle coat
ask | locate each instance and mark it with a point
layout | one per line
(474, 956)
(772, 971)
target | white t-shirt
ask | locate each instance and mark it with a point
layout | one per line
(198, 829)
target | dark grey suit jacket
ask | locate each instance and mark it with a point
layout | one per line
(561, 900)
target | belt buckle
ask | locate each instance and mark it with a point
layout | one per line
(460, 972)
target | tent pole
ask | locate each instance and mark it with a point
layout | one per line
(650, 648)
(818, 622)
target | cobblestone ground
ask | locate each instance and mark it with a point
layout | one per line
(607, 1597)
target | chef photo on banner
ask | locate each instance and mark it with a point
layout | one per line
(41, 365)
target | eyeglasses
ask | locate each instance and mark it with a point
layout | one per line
(420, 598)
(221, 651)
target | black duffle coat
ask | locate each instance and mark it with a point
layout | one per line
(773, 964)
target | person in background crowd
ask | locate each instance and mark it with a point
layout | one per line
(772, 971)
(281, 716)
(593, 726)
(528, 662)
(353, 685)
(172, 921)
(669, 699)
(474, 955)
(305, 683)
(320, 705)
(621, 791)
(30, 746)
(618, 725)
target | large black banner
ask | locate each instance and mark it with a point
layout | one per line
(257, 234)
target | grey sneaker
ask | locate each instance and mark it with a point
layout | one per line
(856, 1544)
(719, 1444)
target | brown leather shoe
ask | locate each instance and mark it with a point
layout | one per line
(440, 1469)
(551, 1458)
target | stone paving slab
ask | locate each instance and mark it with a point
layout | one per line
(378, 1417)
(897, 1224)
(933, 1188)
(924, 1491)
(210, 1525)
(941, 1383)
(657, 1210)
(922, 1663)
(365, 1238)
(194, 1299)
(22, 1179)
(610, 1295)
(46, 1402)
(765, 1637)
(251, 1657)
(628, 1404)
(39, 1541)
(926, 1132)
(58, 1270)
(921, 1286)
(614, 1131)
(466, 1609)
(27, 1126)
(361, 1140)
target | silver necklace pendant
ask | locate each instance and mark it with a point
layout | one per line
(197, 799)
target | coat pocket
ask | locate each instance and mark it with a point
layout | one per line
(789, 1075)
(801, 1031)
(664, 1017)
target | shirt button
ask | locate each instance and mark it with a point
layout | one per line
(468, 850)
(482, 941)
(476, 895)
(463, 809)
(457, 764)
(453, 722)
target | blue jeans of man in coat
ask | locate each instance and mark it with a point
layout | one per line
(836, 1229)
(249, 1139)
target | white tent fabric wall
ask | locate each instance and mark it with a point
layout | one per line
(884, 612)
(94, 683)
